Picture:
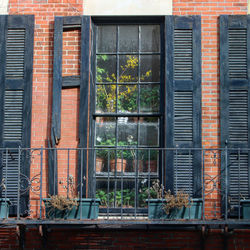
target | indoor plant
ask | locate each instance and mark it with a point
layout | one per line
(118, 198)
(101, 155)
(151, 159)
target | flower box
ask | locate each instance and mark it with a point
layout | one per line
(245, 206)
(156, 210)
(87, 208)
(4, 208)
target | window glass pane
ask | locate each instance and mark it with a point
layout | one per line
(150, 38)
(105, 98)
(127, 131)
(127, 98)
(118, 91)
(151, 158)
(149, 131)
(150, 98)
(128, 68)
(128, 38)
(106, 68)
(105, 131)
(106, 38)
(121, 193)
(150, 68)
(118, 194)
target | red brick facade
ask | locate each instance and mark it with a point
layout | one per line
(45, 11)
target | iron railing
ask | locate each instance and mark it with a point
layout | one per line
(214, 182)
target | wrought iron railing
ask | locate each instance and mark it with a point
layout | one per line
(121, 183)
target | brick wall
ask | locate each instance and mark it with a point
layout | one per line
(44, 11)
(125, 239)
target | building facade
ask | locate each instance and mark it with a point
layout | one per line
(177, 94)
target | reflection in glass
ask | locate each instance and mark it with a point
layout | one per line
(149, 131)
(150, 98)
(127, 132)
(106, 68)
(106, 98)
(150, 38)
(128, 68)
(105, 131)
(128, 38)
(150, 68)
(127, 98)
(106, 38)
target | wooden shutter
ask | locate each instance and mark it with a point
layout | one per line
(235, 101)
(59, 82)
(16, 46)
(183, 103)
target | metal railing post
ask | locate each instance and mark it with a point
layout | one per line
(18, 185)
(226, 182)
(203, 183)
(41, 180)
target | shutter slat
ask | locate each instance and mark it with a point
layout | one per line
(10, 180)
(15, 50)
(238, 116)
(183, 116)
(237, 53)
(183, 50)
(13, 115)
(183, 173)
(238, 178)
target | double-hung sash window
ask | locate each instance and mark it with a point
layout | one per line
(127, 107)
(140, 102)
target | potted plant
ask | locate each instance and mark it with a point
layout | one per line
(150, 98)
(151, 160)
(164, 205)
(119, 158)
(62, 207)
(101, 155)
(138, 160)
(118, 198)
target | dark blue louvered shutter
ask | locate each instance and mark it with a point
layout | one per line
(83, 81)
(183, 103)
(16, 49)
(235, 101)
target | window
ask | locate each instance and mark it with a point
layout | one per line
(127, 104)
(140, 86)
(16, 49)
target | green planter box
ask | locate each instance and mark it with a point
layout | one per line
(87, 208)
(245, 206)
(156, 211)
(4, 208)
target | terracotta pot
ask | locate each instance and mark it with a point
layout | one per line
(153, 166)
(120, 165)
(138, 163)
(99, 163)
